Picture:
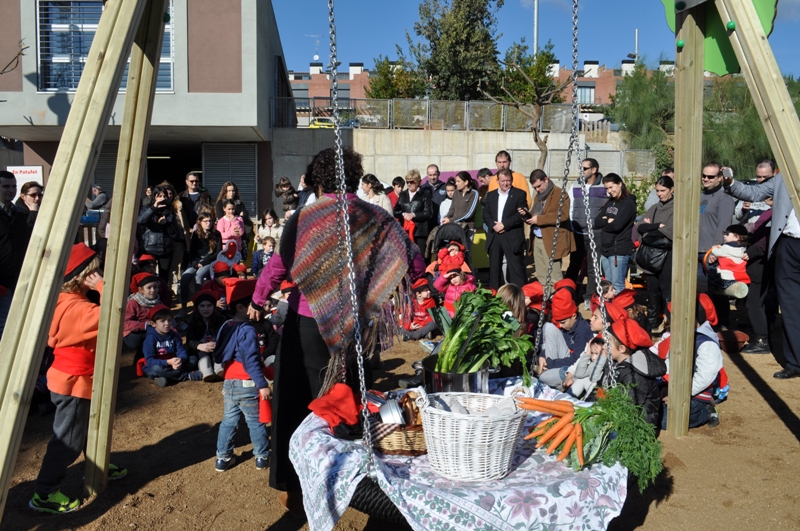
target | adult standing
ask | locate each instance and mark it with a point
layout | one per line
(375, 193)
(657, 221)
(30, 197)
(15, 234)
(542, 220)
(590, 171)
(464, 205)
(194, 199)
(317, 338)
(436, 187)
(414, 209)
(505, 237)
(503, 162)
(652, 197)
(784, 247)
(615, 220)
(746, 211)
(761, 302)
(160, 230)
(98, 199)
(716, 213)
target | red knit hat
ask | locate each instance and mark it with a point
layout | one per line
(708, 307)
(630, 334)
(562, 305)
(155, 309)
(615, 312)
(420, 285)
(204, 295)
(237, 289)
(287, 285)
(457, 244)
(535, 293)
(565, 283)
(625, 298)
(147, 258)
(221, 268)
(79, 258)
(239, 268)
(140, 279)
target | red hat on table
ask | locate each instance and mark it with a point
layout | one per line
(288, 285)
(147, 258)
(237, 289)
(204, 295)
(155, 309)
(221, 269)
(79, 258)
(140, 279)
(563, 305)
(625, 298)
(420, 285)
(630, 334)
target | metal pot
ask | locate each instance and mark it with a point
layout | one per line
(449, 382)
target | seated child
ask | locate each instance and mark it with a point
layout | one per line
(635, 366)
(238, 351)
(730, 267)
(217, 284)
(607, 288)
(166, 359)
(575, 334)
(451, 257)
(201, 332)
(420, 323)
(145, 297)
(262, 256)
(147, 264)
(452, 284)
(73, 338)
(240, 270)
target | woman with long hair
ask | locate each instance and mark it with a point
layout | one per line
(465, 201)
(205, 245)
(658, 221)
(376, 195)
(615, 221)
(160, 230)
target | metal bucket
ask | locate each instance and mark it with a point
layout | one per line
(448, 382)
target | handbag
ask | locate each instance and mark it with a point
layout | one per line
(652, 252)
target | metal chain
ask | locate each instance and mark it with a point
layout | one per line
(341, 197)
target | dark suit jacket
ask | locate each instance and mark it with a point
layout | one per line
(510, 218)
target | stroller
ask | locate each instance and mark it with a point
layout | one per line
(450, 232)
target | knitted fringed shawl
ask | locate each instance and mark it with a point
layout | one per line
(382, 253)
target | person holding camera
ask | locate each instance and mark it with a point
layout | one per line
(543, 228)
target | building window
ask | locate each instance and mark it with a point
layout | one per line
(66, 31)
(585, 95)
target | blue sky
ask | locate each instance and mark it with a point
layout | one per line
(368, 28)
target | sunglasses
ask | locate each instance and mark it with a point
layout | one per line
(35, 195)
(586, 168)
(709, 177)
(411, 182)
(194, 181)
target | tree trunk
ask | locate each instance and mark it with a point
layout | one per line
(541, 142)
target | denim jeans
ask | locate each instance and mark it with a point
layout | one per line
(699, 413)
(615, 269)
(191, 278)
(240, 400)
(176, 375)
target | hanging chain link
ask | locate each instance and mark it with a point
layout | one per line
(344, 228)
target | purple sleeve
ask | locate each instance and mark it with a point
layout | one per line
(271, 277)
(417, 267)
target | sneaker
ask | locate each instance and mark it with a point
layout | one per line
(160, 381)
(222, 465)
(759, 346)
(261, 462)
(713, 420)
(195, 376)
(54, 503)
(212, 377)
(115, 472)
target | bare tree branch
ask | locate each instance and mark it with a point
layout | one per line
(14, 63)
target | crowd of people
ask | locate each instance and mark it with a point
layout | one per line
(265, 295)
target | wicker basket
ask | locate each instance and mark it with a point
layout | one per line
(406, 440)
(470, 447)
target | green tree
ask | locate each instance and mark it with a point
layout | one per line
(457, 46)
(644, 106)
(398, 79)
(524, 83)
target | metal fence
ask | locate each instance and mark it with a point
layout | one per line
(625, 163)
(421, 114)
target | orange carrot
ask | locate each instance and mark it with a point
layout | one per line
(559, 405)
(562, 435)
(545, 423)
(569, 444)
(542, 409)
(579, 442)
(537, 431)
(552, 432)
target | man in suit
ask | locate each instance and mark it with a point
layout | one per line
(784, 245)
(505, 236)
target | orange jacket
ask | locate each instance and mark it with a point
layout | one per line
(517, 181)
(74, 329)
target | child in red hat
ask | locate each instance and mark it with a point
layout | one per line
(557, 356)
(148, 263)
(201, 331)
(166, 359)
(222, 270)
(452, 284)
(637, 367)
(420, 324)
(73, 337)
(451, 257)
(145, 296)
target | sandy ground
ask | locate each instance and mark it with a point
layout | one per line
(740, 475)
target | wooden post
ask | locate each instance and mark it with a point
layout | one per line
(131, 159)
(768, 89)
(690, 27)
(42, 274)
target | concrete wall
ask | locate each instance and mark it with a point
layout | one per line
(293, 149)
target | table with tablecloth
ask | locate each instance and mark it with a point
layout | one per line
(538, 493)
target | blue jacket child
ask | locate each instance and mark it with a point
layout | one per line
(165, 357)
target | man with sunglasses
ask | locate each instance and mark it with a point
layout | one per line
(716, 213)
(194, 198)
(590, 172)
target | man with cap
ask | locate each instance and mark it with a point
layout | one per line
(575, 334)
(73, 337)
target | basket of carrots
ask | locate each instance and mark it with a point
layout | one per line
(470, 436)
(610, 431)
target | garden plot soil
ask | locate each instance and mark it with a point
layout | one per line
(742, 475)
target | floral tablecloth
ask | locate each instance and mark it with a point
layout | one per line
(538, 494)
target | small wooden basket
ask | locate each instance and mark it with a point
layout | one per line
(407, 439)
